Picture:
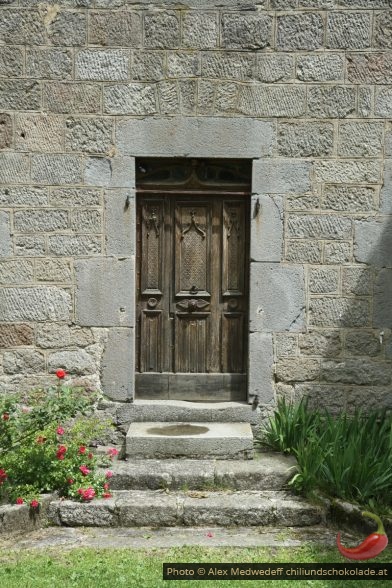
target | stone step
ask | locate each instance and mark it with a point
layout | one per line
(267, 471)
(157, 508)
(196, 440)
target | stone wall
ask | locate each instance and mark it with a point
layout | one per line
(80, 83)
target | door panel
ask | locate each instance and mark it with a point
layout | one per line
(192, 295)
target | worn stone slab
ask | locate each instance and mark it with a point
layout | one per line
(195, 137)
(267, 471)
(373, 242)
(117, 367)
(6, 130)
(162, 510)
(209, 440)
(272, 101)
(282, 176)
(386, 189)
(266, 227)
(260, 374)
(34, 304)
(98, 304)
(100, 513)
(5, 235)
(120, 217)
(382, 311)
(20, 518)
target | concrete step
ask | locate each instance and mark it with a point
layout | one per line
(196, 440)
(152, 508)
(267, 471)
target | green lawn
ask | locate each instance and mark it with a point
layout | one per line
(104, 568)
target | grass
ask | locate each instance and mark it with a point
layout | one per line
(108, 568)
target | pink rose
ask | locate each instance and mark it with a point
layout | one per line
(19, 501)
(60, 431)
(34, 504)
(109, 474)
(84, 469)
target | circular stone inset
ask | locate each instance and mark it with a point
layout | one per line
(177, 430)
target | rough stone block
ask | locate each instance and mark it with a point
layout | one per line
(195, 137)
(39, 132)
(168, 98)
(118, 172)
(366, 343)
(52, 335)
(226, 97)
(38, 221)
(337, 253)
(89, 135)
(23, 196)
(273, 68)
(382, 308)
(118, 365)
(348, 172)
(72, 97)
(14, 168)
(56, 169)
(319, 227)
(162, 30)
(331, 101)
(271, 101)
(27, 246)
(53, 270)
(356, 371)
(188, 96)
(27, 361)
(297, 370)
(149, 66)
(5, 131)
(122, 29)
(200, 30)
(16, 335)
(74, 362)
(267, 228)
(338, 312)
(120, 222)
(277, 297)
(349, 30)
(382, 36)
(360, 139)
(383, 102)
(305, 139)
(75, 197)
(286, 345)
(320, 68)
(357, 280)
(303, 201)
(323, 280)
(97, 303)
(11, 62)
(370, 68)
(86, 221)
(75, 245)
(281, 176)
(298, 251)
(16, 272)
(22, 27)
(102, 64)
(260, 375)
(324, 343)
(205, 97)
(349, 198)
(34, 304)
(49, 63)
(316, 3)
(365, 100)
(373, 242)
(68, 28)
(20, 95)
(231, 66)
(246, 30)
(135, 99)
(368, 398)
(5, 235)
(320, 396)
(386, 190)
(299, 32)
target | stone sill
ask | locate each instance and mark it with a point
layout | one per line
(20, 519)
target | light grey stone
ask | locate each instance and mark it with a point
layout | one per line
(78, 362)
(22, 27)
(348, 198)
(16, 272)
(120, 222)
(39, 132)
(319, 227)
(324, 343)
(323, 280)
(283, 4)
(34, 304)
(99, 513)
(356, 371)
(273, 68)
(75, 245)
(67, 28)
(281, 176)
(168, 98)
(75, 197)
(386, 190)
(162, 30)
(11, 62)
(97, 303)
(16, 335)
(299, 32)
(49, 63)
(188, 96)
(195, 137)
(305, 139)
(297, 370)
(14, 168)
(28, 361)
(382, 311)
(357, 280)
(373, 242)
(52, 335)
(271, 101)
(246, 30)
(320, 68)
(363, 4)
(82, 337)
(102, 64)
(277, 297)
(316, 3)
(23, 196)
(5, 235)
(56, 169)
(266, 228)
(133, 511)
(260, 376)
(89, 135)
(98, 171)
(348, 172)
(20, 95)
(360, 139)
(302, 202)
(118, 365)
(230, 66)
(337, 253)
(226, 97)
(370, 68)
(53, 270)
(382, 36)
(200, 30)
(366, 343)
(28, 246)
(137, 99)
(87, 221)
(38, 221)
(299, 251)
(365, 100)
(383, 103)
(6, 131)
(349, 30)
(338, 312)
(331, 101)
(286, 345)
(121, 29)
(149, 66)
(72, 97)
(205, 97)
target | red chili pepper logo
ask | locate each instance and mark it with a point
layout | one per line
(370, 547)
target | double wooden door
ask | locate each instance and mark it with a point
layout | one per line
(192, 297)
